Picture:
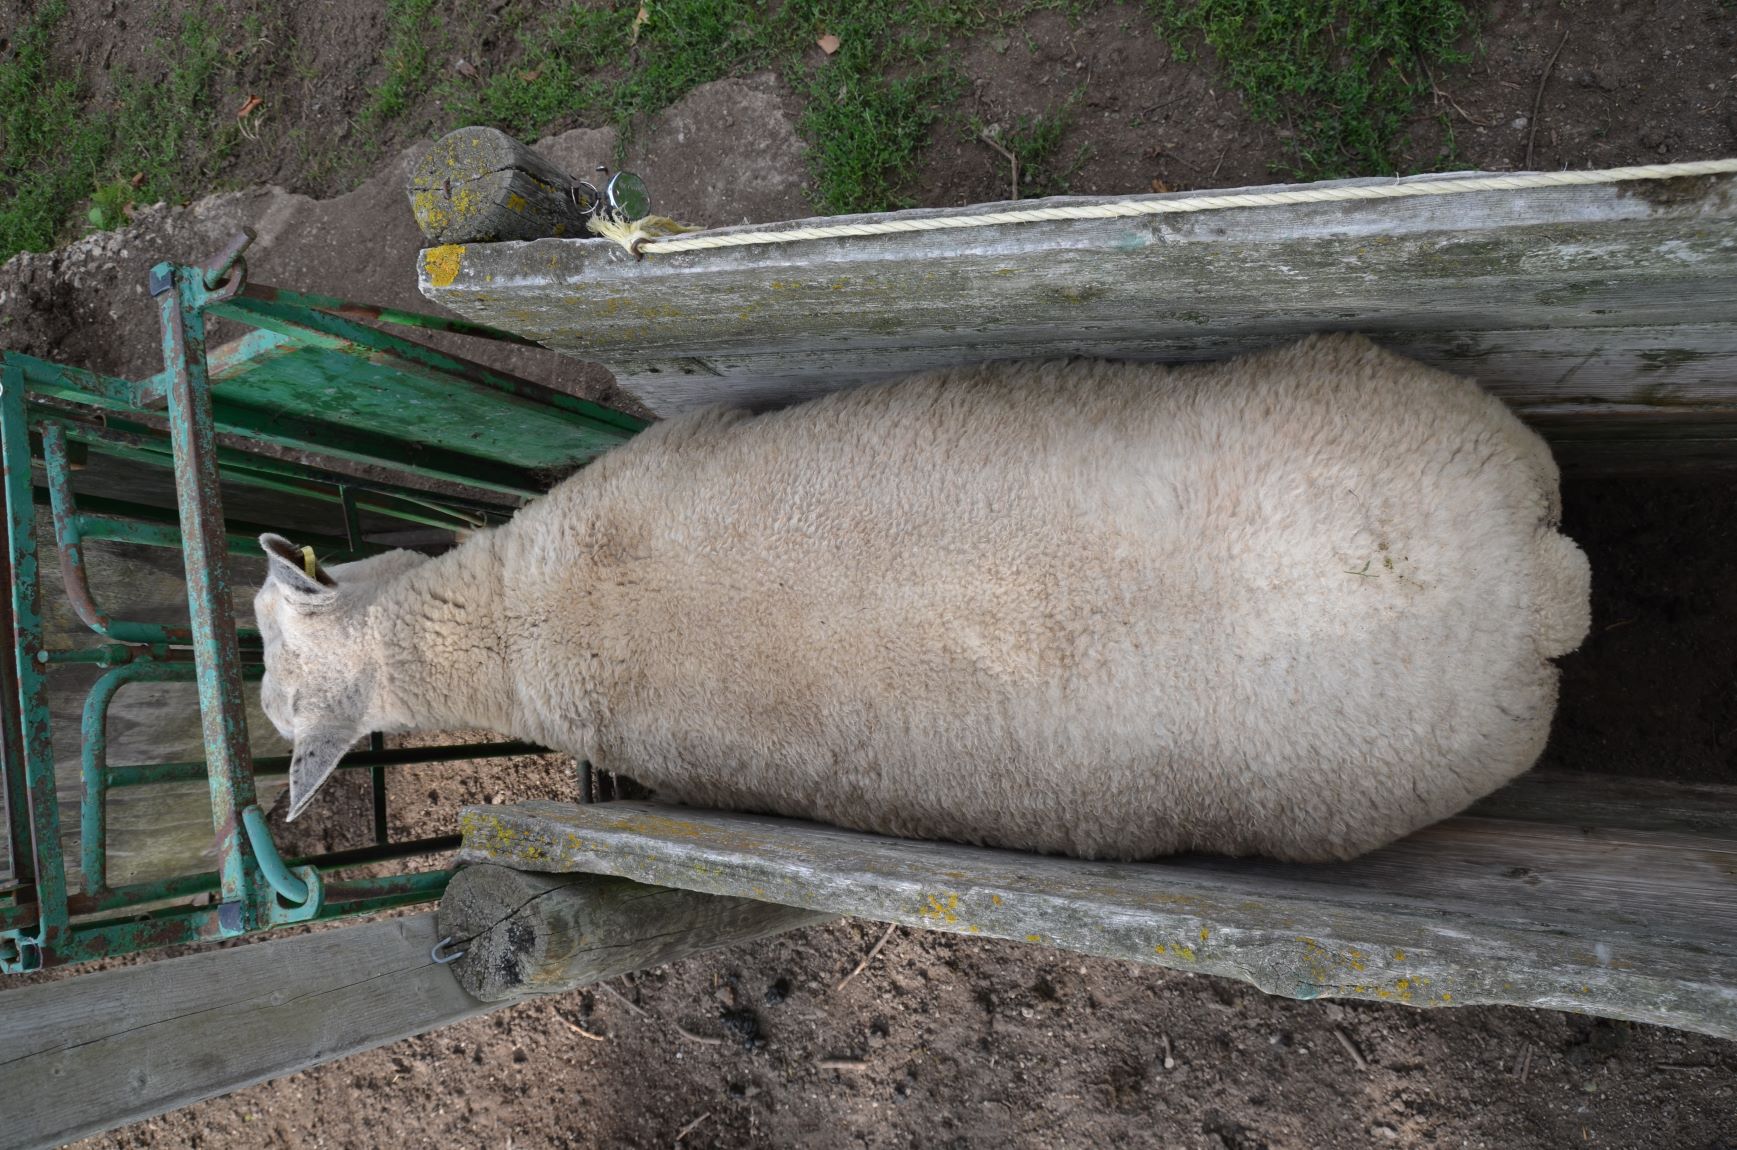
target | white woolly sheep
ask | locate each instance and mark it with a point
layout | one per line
(1296, 604)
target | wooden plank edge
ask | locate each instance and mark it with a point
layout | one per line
(269, 1009)
(1296, 945)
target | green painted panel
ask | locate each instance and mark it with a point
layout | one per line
(352, 388)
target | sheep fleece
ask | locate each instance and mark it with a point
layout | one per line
(1295, 604)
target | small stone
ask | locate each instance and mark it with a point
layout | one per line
(1519, 124)
(1385, 1133)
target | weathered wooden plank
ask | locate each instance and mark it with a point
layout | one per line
(524, 934)
(1468, 912)
(480, 184)
(87, 1054)
(1573, 798)
(1614, 294)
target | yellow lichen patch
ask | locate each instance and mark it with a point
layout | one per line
(1158, 948)
(1399, 956)
(1203, 934)
(515, 203)
(430, 216)
(996, 899)
(1034, 938)
(443, 263)
(1447, 997)
(940, 907)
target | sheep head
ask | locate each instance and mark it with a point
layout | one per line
(322, 681)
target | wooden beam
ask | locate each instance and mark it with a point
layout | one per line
(479, 184)
(1584, 303)
(86, 1054)
(1623, 922)
(525, 934)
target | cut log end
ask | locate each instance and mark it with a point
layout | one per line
(479, 185)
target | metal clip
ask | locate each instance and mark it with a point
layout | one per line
(435, 955)
(624, 196)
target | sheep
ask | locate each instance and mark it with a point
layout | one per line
(1296, 604)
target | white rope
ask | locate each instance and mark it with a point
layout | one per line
(1194, 203)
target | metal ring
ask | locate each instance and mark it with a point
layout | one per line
(435, 955)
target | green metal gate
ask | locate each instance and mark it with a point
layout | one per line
(387, 418)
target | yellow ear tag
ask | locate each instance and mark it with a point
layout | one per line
(308, 561)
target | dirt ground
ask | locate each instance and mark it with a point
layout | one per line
(968, 1043)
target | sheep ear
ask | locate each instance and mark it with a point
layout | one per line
(304, 582)
(316, 756)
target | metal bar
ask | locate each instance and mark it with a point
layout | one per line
(377, 787)
(94, 756)
(363, 856)
(72, 565)
(218, 266)
(286, 885)
(123, 898)
(128, 897)
(277, 311)
(93, 760)
(216, 654)
(13, 787)
(108, 655)
(72, 383)
(349, 309)
(246, 474)
(363, 896)
(124, 522)
(37, 750)
(116, 436)
(269, 765)
(337, 441)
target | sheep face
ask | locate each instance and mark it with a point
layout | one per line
(321, 688)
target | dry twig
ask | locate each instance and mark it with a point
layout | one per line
(1351, 1048)
(583, 1033)
(1011, 159)
(624, 1000)
(1538, 97)
(691, 1127)
(692, 1037)
(867, 958)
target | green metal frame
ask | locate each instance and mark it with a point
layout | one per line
(312, 377)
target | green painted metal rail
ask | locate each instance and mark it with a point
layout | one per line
(292, 407)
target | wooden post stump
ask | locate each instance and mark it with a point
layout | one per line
(524, 934)
(479, 185)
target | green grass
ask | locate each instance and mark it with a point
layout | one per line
(50, 154)
(170, 132)
(1036, 142)
(407, 51)
(1343, 75)
(590, 65)
(148, 141)
(868, 108)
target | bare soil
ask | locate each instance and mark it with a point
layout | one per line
(967, 1043)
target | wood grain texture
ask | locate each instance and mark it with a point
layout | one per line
(1620, 922)
(91, 1053)
(1571, 798)
(525, 934)
(1580, 301)
(478, 185)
